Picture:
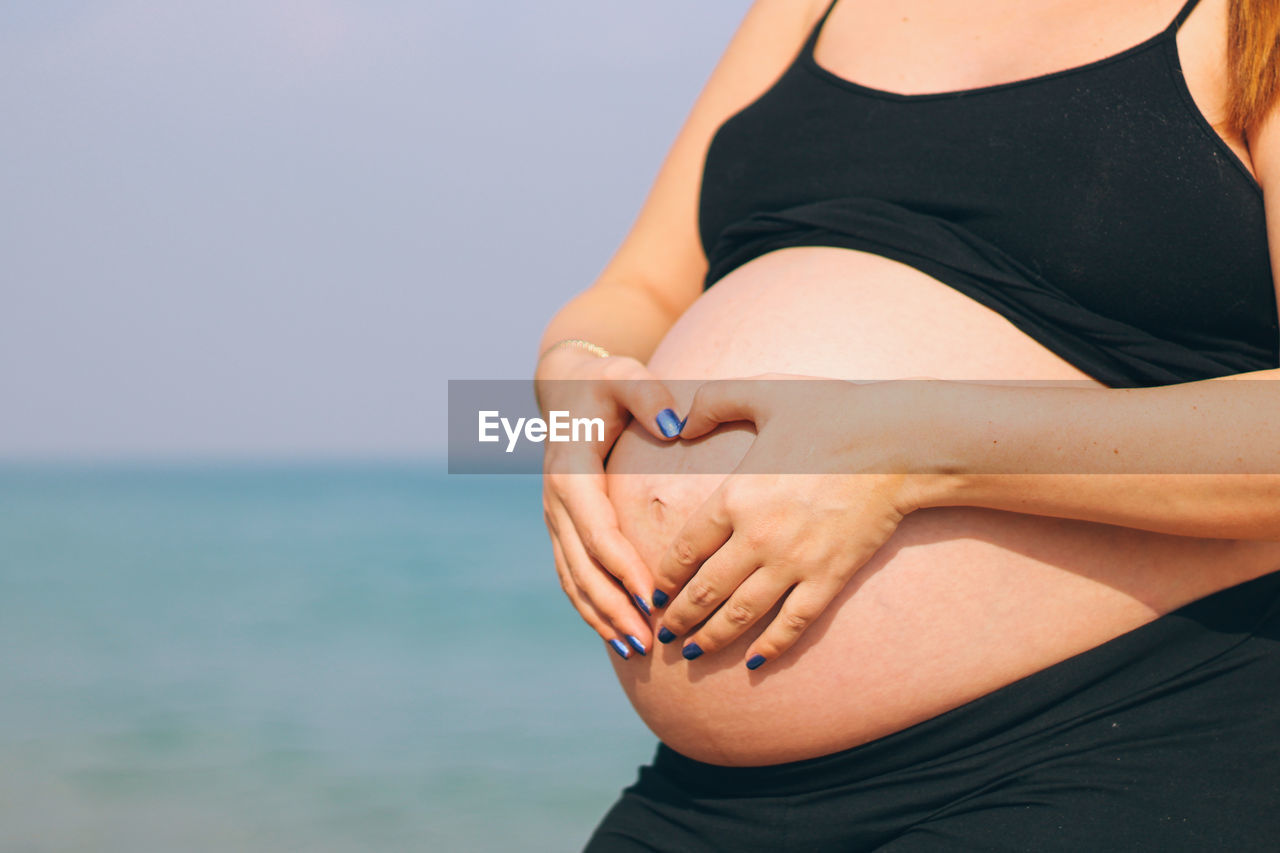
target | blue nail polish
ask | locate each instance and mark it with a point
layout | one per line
(665, 636)
(617, 646)
(669, 423)
(755, 662)
(642, 604)
(635, 643)
(660, 598)
(691, 651)
(683, 421)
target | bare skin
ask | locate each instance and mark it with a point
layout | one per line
(960, 601)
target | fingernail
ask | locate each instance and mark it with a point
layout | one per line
(635, 643)
(622, 651)
(691, 651)
(669, 423)
(665, 636)
(683, 421)
(660, 598)
(755, 662)
(642, 604)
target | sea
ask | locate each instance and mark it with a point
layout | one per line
(295, 656)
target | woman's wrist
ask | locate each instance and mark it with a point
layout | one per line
(559, 358)
(578, 343)
(563, 361)
(936, 423)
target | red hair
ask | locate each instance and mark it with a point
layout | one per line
(1253, 59)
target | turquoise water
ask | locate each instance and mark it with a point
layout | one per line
(311, 658)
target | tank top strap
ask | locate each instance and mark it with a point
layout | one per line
(1186, 10)
(817, 29)
(1183, 13)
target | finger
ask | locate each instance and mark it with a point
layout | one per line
(800, 610)
(701, 536)
(585, 608)
(753, 598)
(722, 573)
(722, 401)
(605, 594)
(589, 612)
(647, 398)
(595, 521)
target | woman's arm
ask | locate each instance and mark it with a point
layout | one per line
(657, 272)
(1202, 459)
(837, 465)
(653, 277)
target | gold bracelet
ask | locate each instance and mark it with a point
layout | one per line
(594, 349)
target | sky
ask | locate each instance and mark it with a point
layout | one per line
(276, 228)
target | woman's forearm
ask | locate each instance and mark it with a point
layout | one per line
(1197, 459)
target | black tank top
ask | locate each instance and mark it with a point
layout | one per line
(1095, 208)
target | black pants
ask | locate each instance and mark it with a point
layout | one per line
(1166, 738)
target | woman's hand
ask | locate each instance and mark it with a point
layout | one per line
(823, 487)
(600, 570)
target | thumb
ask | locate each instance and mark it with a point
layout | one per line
(724, 401)
(648, 399)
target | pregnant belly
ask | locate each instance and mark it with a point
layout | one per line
(961, 601)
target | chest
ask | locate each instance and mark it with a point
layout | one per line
(1105, 180)
(915, 47)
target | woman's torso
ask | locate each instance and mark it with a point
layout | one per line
(960, 601)
(1103, 185)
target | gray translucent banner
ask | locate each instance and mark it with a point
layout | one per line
(1015, 427)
